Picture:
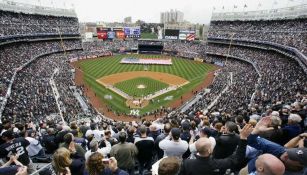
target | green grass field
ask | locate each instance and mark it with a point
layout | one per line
(192, 71)
(149, 36)
(131, 86)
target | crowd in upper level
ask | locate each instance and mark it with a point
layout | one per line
(14, 24)
(288, 32)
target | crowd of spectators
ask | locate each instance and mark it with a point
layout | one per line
(14, 24)
(185, 49)
(31, 96)
(171, 145)
(289, 32)
(14, 56)
(240, 78)
(281, 77)
(257, 125)
(116, 45)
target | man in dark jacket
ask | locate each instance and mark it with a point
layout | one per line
(228, 139)
(205, 164)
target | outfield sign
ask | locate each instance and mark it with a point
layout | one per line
(188, 35)
(132, 32)
(174, 34)
(171, 34)
(118, 32)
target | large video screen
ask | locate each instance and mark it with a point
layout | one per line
(171, 34)
(132, 32)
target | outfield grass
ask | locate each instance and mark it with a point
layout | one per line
(149, 36)
(192, 71)
(131, 86)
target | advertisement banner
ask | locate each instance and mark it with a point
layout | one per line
(187, 35)
(191, 37)
(120, 35)
(102, 35)
(132, 32)
(111, 35)
(182, 36)
(171, 34)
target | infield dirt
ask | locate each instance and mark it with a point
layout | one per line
(170, 79)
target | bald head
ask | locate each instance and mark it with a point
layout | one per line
(268, 164)
(203, 146)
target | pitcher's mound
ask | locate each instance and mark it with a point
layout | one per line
(141, 86)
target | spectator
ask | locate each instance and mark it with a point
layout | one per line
(74, 148)
(94, 148)
(204, 164)
(173, 145)
(124, 153)
(18, 146)
(65, 163)
(95, 165)
(35, 149)
(145, 146)
(204, 133)
(94, 130)
(292, 129)
(49, 141)
(227, 138)
(167, 130)
(169, 166)
(17, 169)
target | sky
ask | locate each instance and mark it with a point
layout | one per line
(195, 11)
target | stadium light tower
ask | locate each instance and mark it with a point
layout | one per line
(228, 52)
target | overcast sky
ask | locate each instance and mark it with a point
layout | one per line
(195, 11)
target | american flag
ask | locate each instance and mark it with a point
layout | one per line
(191, 37)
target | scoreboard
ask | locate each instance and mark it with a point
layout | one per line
(118, 32)
(132, 32)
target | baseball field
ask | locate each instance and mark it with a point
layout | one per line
(105, 74)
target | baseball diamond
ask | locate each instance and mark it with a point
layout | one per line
(106, 76)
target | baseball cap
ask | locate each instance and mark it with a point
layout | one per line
(298, 154)
(176, 133)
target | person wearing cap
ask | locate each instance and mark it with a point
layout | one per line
(206, 164)
(173, 145)
(294, 159)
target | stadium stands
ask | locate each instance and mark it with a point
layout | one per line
(257, 85)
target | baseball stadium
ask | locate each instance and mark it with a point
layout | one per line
(171, 87)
